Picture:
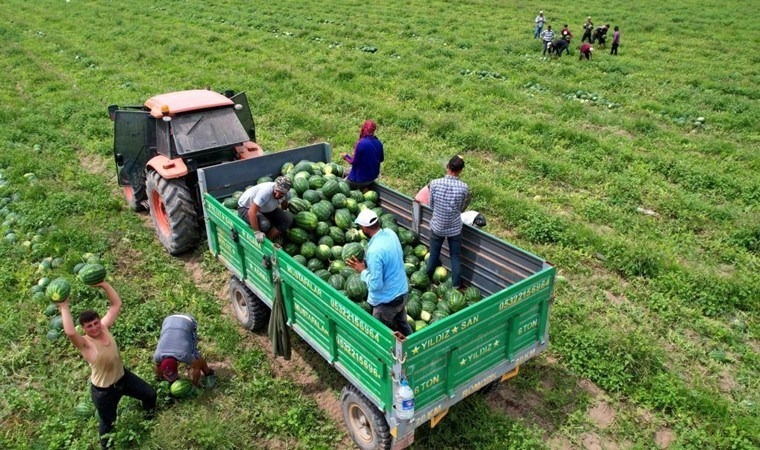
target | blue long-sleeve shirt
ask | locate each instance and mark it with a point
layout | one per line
(384, 275)
(365, 162)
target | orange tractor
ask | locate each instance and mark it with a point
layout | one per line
(159, 147)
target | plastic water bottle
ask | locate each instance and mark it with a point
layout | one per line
(404, 401)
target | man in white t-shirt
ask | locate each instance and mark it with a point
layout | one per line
(264, 208)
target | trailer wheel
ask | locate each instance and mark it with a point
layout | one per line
(250, 311)
(173, 212)
(365, 423)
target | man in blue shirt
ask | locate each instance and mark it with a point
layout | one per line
(449, 196)
(179, 343)
(383, 271)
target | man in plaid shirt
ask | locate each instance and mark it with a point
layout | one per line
(449, 196)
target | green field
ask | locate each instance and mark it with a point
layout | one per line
(637, 175)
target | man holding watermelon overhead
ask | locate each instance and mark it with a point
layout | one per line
(383, 272)
(179, 343)
(110, 380)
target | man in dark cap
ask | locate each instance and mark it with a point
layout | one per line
(264, 208)
(179, 343)
(449, 197)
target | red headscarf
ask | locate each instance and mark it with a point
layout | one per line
(168, 369)
(368, 129)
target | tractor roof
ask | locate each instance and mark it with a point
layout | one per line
(184, 101)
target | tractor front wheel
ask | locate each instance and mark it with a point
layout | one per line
(173, 212)
(365, 423)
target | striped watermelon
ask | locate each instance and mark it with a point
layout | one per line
(181, 388)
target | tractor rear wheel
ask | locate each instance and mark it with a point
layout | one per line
(365, 423)
(251, 312)
(173, 212)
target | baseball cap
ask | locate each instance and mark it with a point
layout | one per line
(168, 369)
(282, 184)
(366, 218)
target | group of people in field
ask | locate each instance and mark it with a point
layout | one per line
(557, 43)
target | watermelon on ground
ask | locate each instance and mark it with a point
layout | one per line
(181, 388)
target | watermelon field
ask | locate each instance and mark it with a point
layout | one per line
(637, 175)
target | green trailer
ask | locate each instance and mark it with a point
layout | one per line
(469, 351)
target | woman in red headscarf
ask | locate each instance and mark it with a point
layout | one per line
(365, 162)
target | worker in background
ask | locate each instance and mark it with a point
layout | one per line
(366, 159)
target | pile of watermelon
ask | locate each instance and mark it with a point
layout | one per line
(324, 236)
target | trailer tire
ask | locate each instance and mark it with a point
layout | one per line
(250, 311)
(366, 424)
(173, 212)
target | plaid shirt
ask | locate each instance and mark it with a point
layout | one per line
(449, 196)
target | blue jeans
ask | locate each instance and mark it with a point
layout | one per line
(539, 28)
(455, 248)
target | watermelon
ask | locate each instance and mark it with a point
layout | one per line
(353, 235)
(44, 281)
(84, 410)
(457, 301)
(306, 220)
(53, 335)
(56, 323)
(230, 203)
(308, 249)
(440, 274)
(438, 314)
(59, 289)
(39, 296)
(315, 264)
(287, 167)
(409, 268)
(354, 249)
(323, 210)
(181, 388)
(264, 179)
(429, 296)
(324, 274)
(429, 306)
(300, 183)
(323, 228)
(92, 274)
(316, 181)
(371, 196)
(419, 325)
(411, 259)
(472, 295)
(419, 279)
(336, 281)
(414, 308)
(443, 288)
(51, 310)
(425, 315)
(443, 305)
(298, 235)
(77, 268)
(297, 205)
(336, 266)
(352, 206)
(336, 251)
(347, 272)
(339, 201)
(420, 251)
(323, 252)
(303, 166)
(291, 248)
(337, 235)
(344, 219)
(311, 196)
(326, 240)
(300, 259)
(366, 306)
(330, 188)
(356, 288)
